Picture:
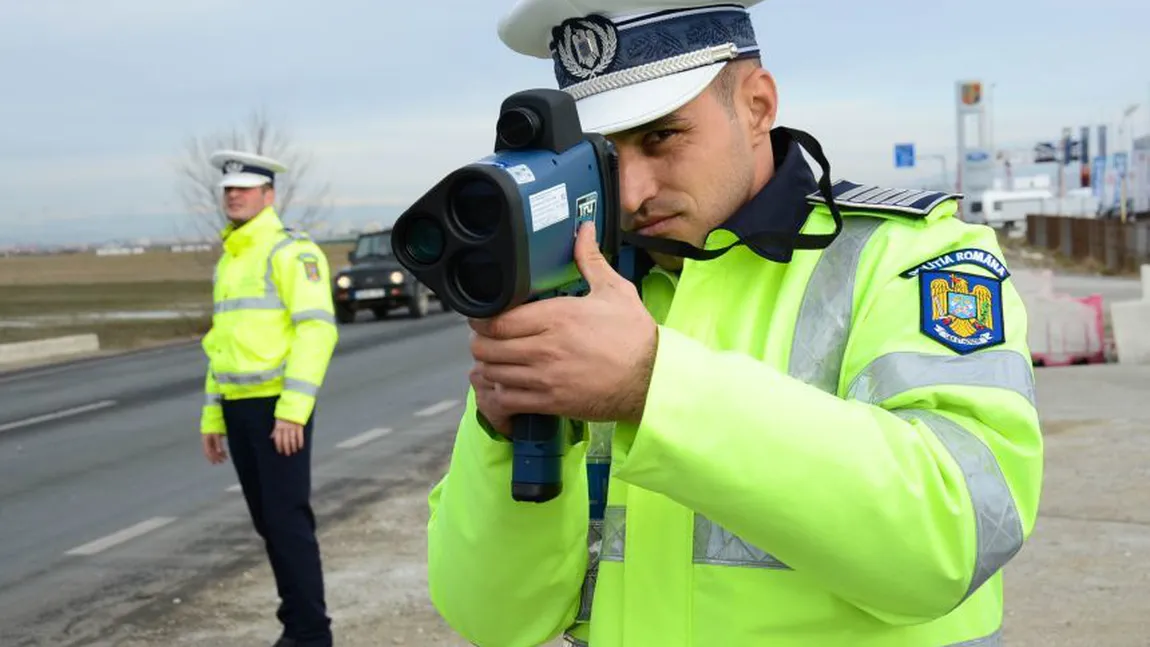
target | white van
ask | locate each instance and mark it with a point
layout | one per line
(1007, 209)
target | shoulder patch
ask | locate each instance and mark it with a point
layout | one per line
(967, 256)
(310, 266)
(912, 202)
(961, 311)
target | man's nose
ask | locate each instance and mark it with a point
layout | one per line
(637, 182)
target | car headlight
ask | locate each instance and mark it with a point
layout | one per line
(343, 281)
(397, 277)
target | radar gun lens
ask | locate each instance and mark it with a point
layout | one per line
(478, 205)
(479, 277)
(424, 240)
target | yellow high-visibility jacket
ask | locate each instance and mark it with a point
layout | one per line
(273, 328)
(839, 451)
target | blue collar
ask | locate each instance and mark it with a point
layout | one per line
(781, 206)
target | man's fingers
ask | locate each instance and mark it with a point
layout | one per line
(288, 439)
(214, 449)
(521, 321)
(526, 350)
(526, 378)
(511, 401)
(590, 260)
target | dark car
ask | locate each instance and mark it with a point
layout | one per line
(376, 281)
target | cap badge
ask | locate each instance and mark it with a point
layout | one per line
(233, 167)
(587, 46)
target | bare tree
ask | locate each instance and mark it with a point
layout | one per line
(199, 180)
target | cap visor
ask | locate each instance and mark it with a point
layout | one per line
(243, 180)
(634, 105)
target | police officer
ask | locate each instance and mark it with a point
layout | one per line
(815, 418)
(272, 338)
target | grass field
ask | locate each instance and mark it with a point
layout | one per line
(129, 301)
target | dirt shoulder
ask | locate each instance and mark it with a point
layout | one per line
(1082, 579)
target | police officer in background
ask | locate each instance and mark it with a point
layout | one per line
(272, 337)
(815, 421)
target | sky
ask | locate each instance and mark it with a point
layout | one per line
(98, 98)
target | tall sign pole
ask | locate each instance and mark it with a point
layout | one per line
(975, 159)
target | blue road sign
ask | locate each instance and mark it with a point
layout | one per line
(978, 156)
(903, 155)
(1098, 175)
(1120, 164)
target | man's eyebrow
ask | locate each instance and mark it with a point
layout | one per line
(672, 120)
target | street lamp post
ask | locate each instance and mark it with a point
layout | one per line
(1126, 134)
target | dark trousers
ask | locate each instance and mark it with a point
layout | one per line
(277, 489)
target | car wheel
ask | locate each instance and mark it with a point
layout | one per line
(344, 314)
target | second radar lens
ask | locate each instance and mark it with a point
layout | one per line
(477, 206)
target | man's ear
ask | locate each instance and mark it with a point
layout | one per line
(762, 102)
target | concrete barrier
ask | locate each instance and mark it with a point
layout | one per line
(30, 351)
(1131, 321)
(1065, 330)
(1062, 329)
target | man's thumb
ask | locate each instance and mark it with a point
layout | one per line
(590, 261)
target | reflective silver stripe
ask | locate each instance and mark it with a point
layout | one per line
(313, 315)
(614, 533)
(824, 320)
(594, 545)
(895, 373)
(211, 399)
(249, 303)
(256, 377)
(301, 386)
(993, 640)
(715, 545)
(572, 641)
(598, 437)
(998, 528)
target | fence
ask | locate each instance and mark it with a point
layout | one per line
(1112, 244)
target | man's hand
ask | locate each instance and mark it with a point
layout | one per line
(288, 437)
(588, 358)
(214, 448)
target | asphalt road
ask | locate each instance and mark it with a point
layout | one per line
(106, 500)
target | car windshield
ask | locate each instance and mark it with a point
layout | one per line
(373, 246)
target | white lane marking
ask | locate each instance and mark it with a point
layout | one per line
(438, 407)
(235, 488)
(56, 415)
(131, 532)
(364, 438)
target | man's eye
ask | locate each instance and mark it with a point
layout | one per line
(656, 137)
